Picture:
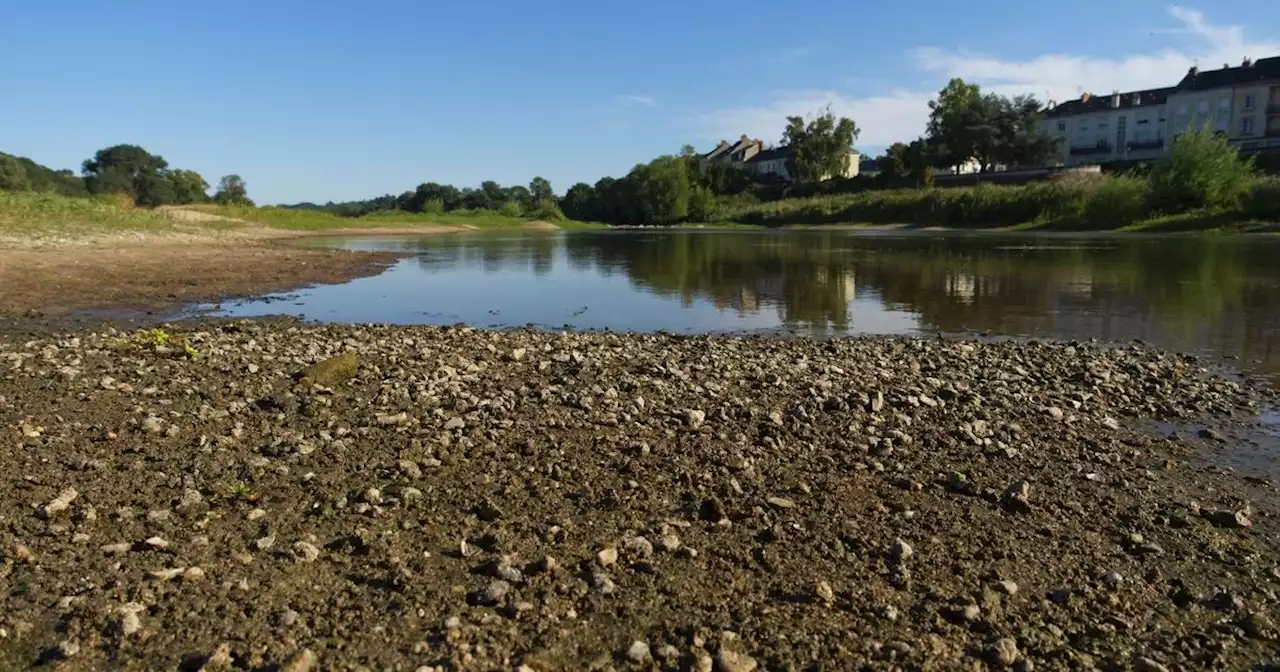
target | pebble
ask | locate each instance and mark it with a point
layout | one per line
(454, 423)
(492, 594)
(1231, 519)
(900, 551)
(1145, 664)
(1004, 653)
(823, 591)
(167, 574)
(60, 503)
(304, 661)
(305, 551)
(130, 622)
(781, 502)
(732, 661)
(256, 514)
(1007, 587)
(639, 652)
(157, 543)
(607, 557)
(152, 425)
(638, 546)
(694, 418)
(265, 543)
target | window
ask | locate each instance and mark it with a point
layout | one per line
(1062, 127)
(1246, 126)
(1102, 125)
(1248, 101)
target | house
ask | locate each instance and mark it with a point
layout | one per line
(737, 153)
(1241, 102)
(767, 163)
(1126, 126)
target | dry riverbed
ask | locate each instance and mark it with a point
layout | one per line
(445, 498)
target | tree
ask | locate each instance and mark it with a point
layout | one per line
(579, 202)
(118, 169)
(1201, 171)
(951, 121)
(13, 175)
(821, 148)
(966, 124)
(153, 189)
(541, 190)
(188, 186)
(688, 151)
(492, 195)
(232, 191)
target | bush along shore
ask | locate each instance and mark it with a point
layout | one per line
(254, 495)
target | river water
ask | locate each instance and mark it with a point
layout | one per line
(1218, 297)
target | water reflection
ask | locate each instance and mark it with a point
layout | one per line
(1214, 295)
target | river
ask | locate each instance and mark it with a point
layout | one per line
(1217, 297)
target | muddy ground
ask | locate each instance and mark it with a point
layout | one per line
(445, 498)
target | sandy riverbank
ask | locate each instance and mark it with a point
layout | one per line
(474, 500)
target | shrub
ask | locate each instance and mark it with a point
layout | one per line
(434, 206)
(1201, 171)
(547, 210)
(1262, 201)
(511, 209)
(1115, 202)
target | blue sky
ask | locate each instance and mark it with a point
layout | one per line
(325, 100)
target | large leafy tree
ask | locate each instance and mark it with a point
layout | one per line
(232, 191)
(967, 124)
(13, 175)
(821, 147)
(541, 190)
(188, 186)
(580, 202)
(121, 169)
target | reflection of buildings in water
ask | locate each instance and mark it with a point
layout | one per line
(960, 286)
(743, 301)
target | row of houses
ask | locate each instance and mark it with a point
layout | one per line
(1241, 102)
(763, 161)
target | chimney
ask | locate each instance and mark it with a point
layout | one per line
(1226, 66)
(1137, 99)
(1247, 63)
(1193, 71)
(1115, 99)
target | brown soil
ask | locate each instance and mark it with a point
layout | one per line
(453, 499)
(156, 274)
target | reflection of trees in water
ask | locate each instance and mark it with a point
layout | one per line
(1183, 293)
(800, 277)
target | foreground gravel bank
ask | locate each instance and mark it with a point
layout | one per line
(458, 499)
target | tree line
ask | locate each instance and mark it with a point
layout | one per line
(123, 170)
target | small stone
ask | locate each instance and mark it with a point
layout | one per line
(1145, 664)
(409, 468)
(694, 418)
(373, 496)
(970, 613)
(491, 594)
(265, 543)
(1231, 519)
(1007, 587)
(781, 502)
(1004, 653)
(393, 419)
(157, 543)
(305, 551)
(823, 591)
(252, 368)
(900, 551)
(219, 660)
(60, 503)
(454, 423)
(256, 514)
(116, 549)
(68, 648)
(732, 661)
(1113, 579)
(639, 652)
(167, 574)
(1111, 423)
(1055, 412)
(638, 547)
(302, 662)
(193, 574)
(518, 354)
(130, 623)
(607, 557)
(1017, 497)
(152, 425)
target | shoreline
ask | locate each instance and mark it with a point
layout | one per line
(478, 499)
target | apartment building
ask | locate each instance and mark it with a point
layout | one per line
(1241, 102)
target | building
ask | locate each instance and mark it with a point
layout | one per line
(1241, 102)
(1100, 129)
(766, 163)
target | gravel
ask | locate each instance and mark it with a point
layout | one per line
(374, 497)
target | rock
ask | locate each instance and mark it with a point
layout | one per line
(1055, 412)
(1113, 579)
(1110, 423)
(60, 503)
(265, 543)
(130, 622)
(1017, 497)
(410, 469)
(712, 510)
(518, 354)
(1004, 653)
(193, 575)
(68, 648)
(1007, 587)
(1231, 519)
(824, 593)
(454, 423)
(219, 660)
(694, 418)
(491, 594)
(900, 551)
(781, 502)
(305, 552)
(1211, 435)
(731, 661)
(877, 402)
(638, 547)
(329, 372)
(639, 653)
(167, 574)
(607, 557)
(157, 543)
(152, 425)
(1258, 625)
(388, 420)
(1145, 664)
(303, 661)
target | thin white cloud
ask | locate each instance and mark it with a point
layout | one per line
(901, 114)
(637, 100)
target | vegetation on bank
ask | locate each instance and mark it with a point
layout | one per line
(1202, 183)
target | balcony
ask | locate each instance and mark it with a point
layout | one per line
(1090, 151)
(1146, 145)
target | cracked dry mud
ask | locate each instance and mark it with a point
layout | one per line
(472, 500)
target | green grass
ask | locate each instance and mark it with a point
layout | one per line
(317, 220)
(44, 213)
